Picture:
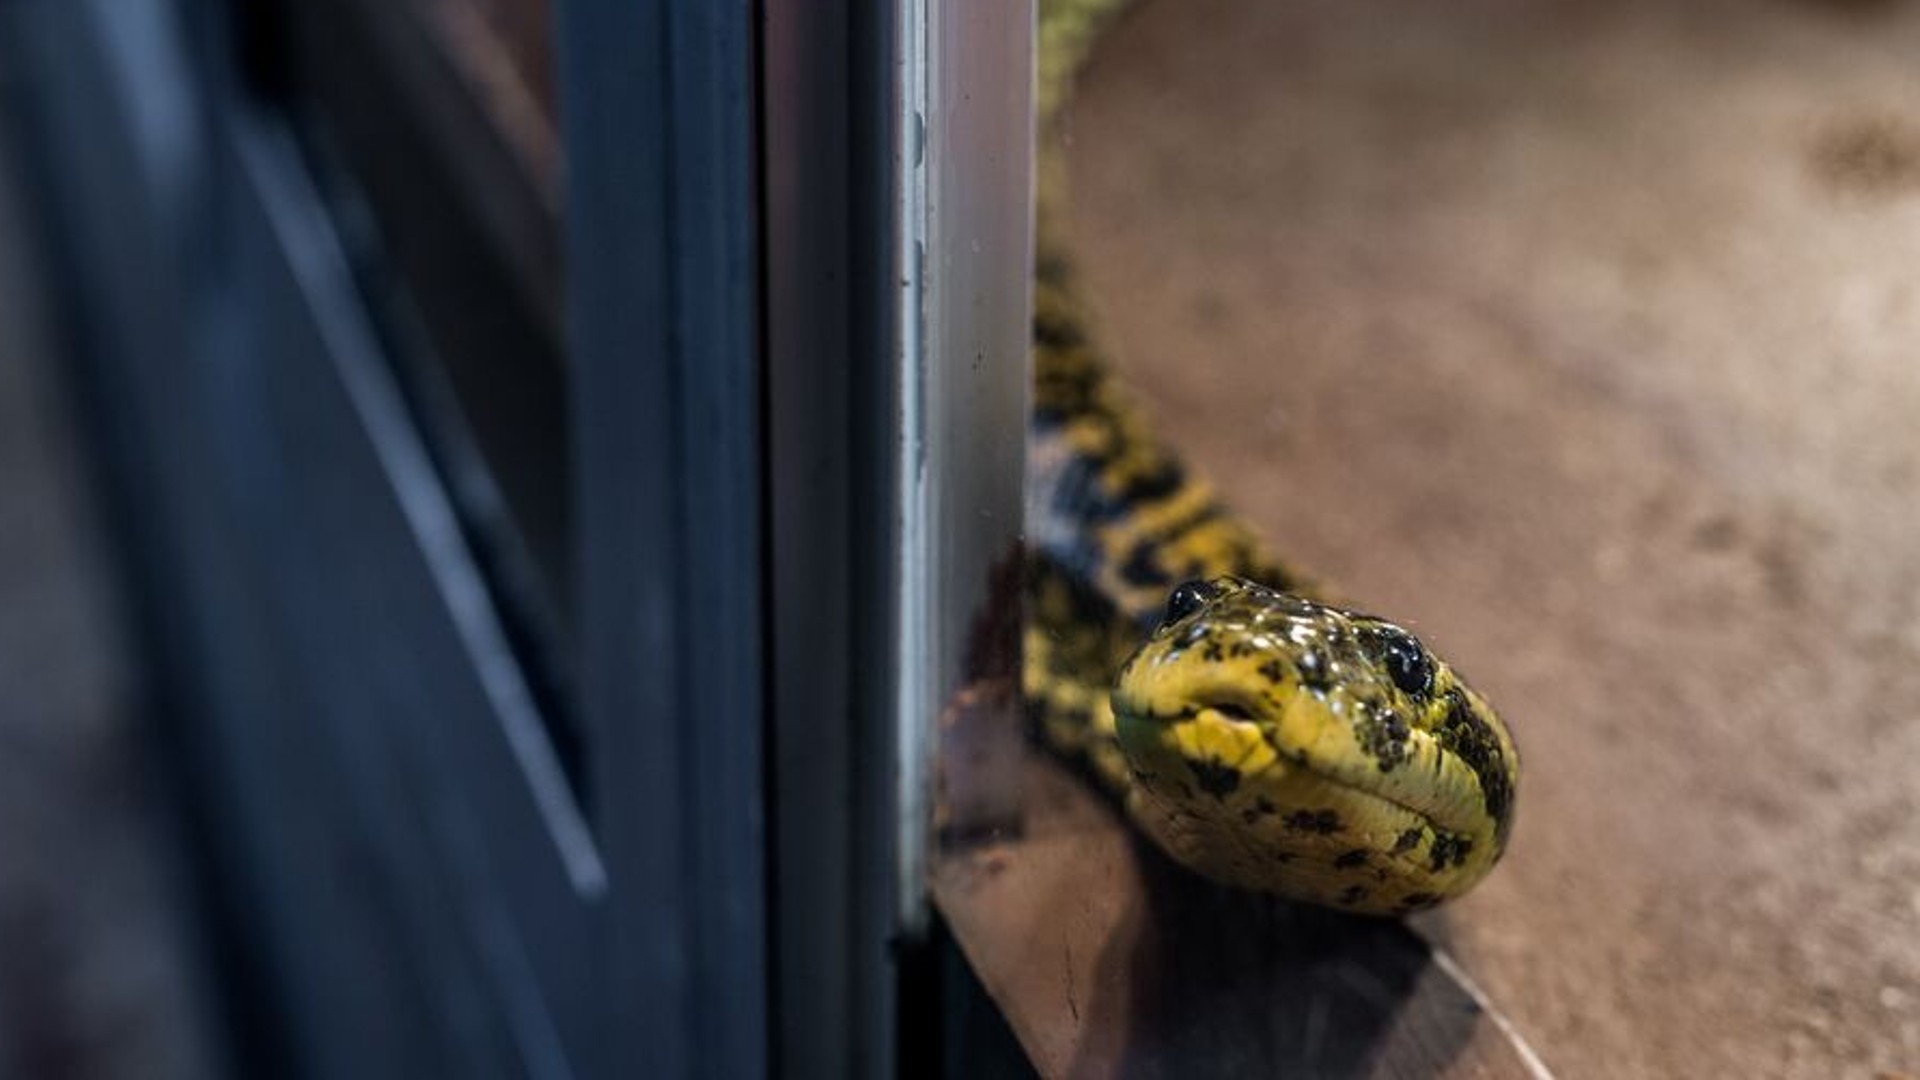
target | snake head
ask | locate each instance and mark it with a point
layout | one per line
(1311, 751)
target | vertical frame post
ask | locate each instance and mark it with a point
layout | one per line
(663, 256)
(965, 258)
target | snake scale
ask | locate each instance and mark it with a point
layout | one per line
(1260, 734)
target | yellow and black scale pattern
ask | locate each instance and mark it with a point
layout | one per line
(1260, 736)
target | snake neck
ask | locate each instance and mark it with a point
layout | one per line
(1110, 509)
(1109, 506)
(1114, 518)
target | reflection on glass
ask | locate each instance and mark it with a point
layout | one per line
(1081, 881)
(504, 50)
(966, 120)
(434, 120)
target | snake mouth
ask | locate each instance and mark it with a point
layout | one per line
(1263, 801)
(1225, 724)
(1386, 800)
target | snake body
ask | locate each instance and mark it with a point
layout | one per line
(1259, 734)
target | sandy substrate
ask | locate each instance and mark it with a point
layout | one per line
(1586, 338)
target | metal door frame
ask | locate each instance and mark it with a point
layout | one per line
(769, 439)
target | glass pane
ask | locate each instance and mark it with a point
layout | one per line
(504, 50)
(431, 126)
(1107, 858)
(1571, 338)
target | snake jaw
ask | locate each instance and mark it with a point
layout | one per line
(1311, 751)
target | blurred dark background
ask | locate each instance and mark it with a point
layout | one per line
(102, 969)
(305, 743)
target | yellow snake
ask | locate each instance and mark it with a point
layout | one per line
(1259, 735)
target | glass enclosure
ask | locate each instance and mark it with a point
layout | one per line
(658, 497)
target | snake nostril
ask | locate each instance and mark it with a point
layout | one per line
(1313, 670)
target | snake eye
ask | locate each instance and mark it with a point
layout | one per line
(1407, 663)
(1188, 598)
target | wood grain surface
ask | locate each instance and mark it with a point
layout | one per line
(1586, 338)
(1108, 960)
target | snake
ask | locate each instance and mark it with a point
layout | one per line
(1256, 730)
